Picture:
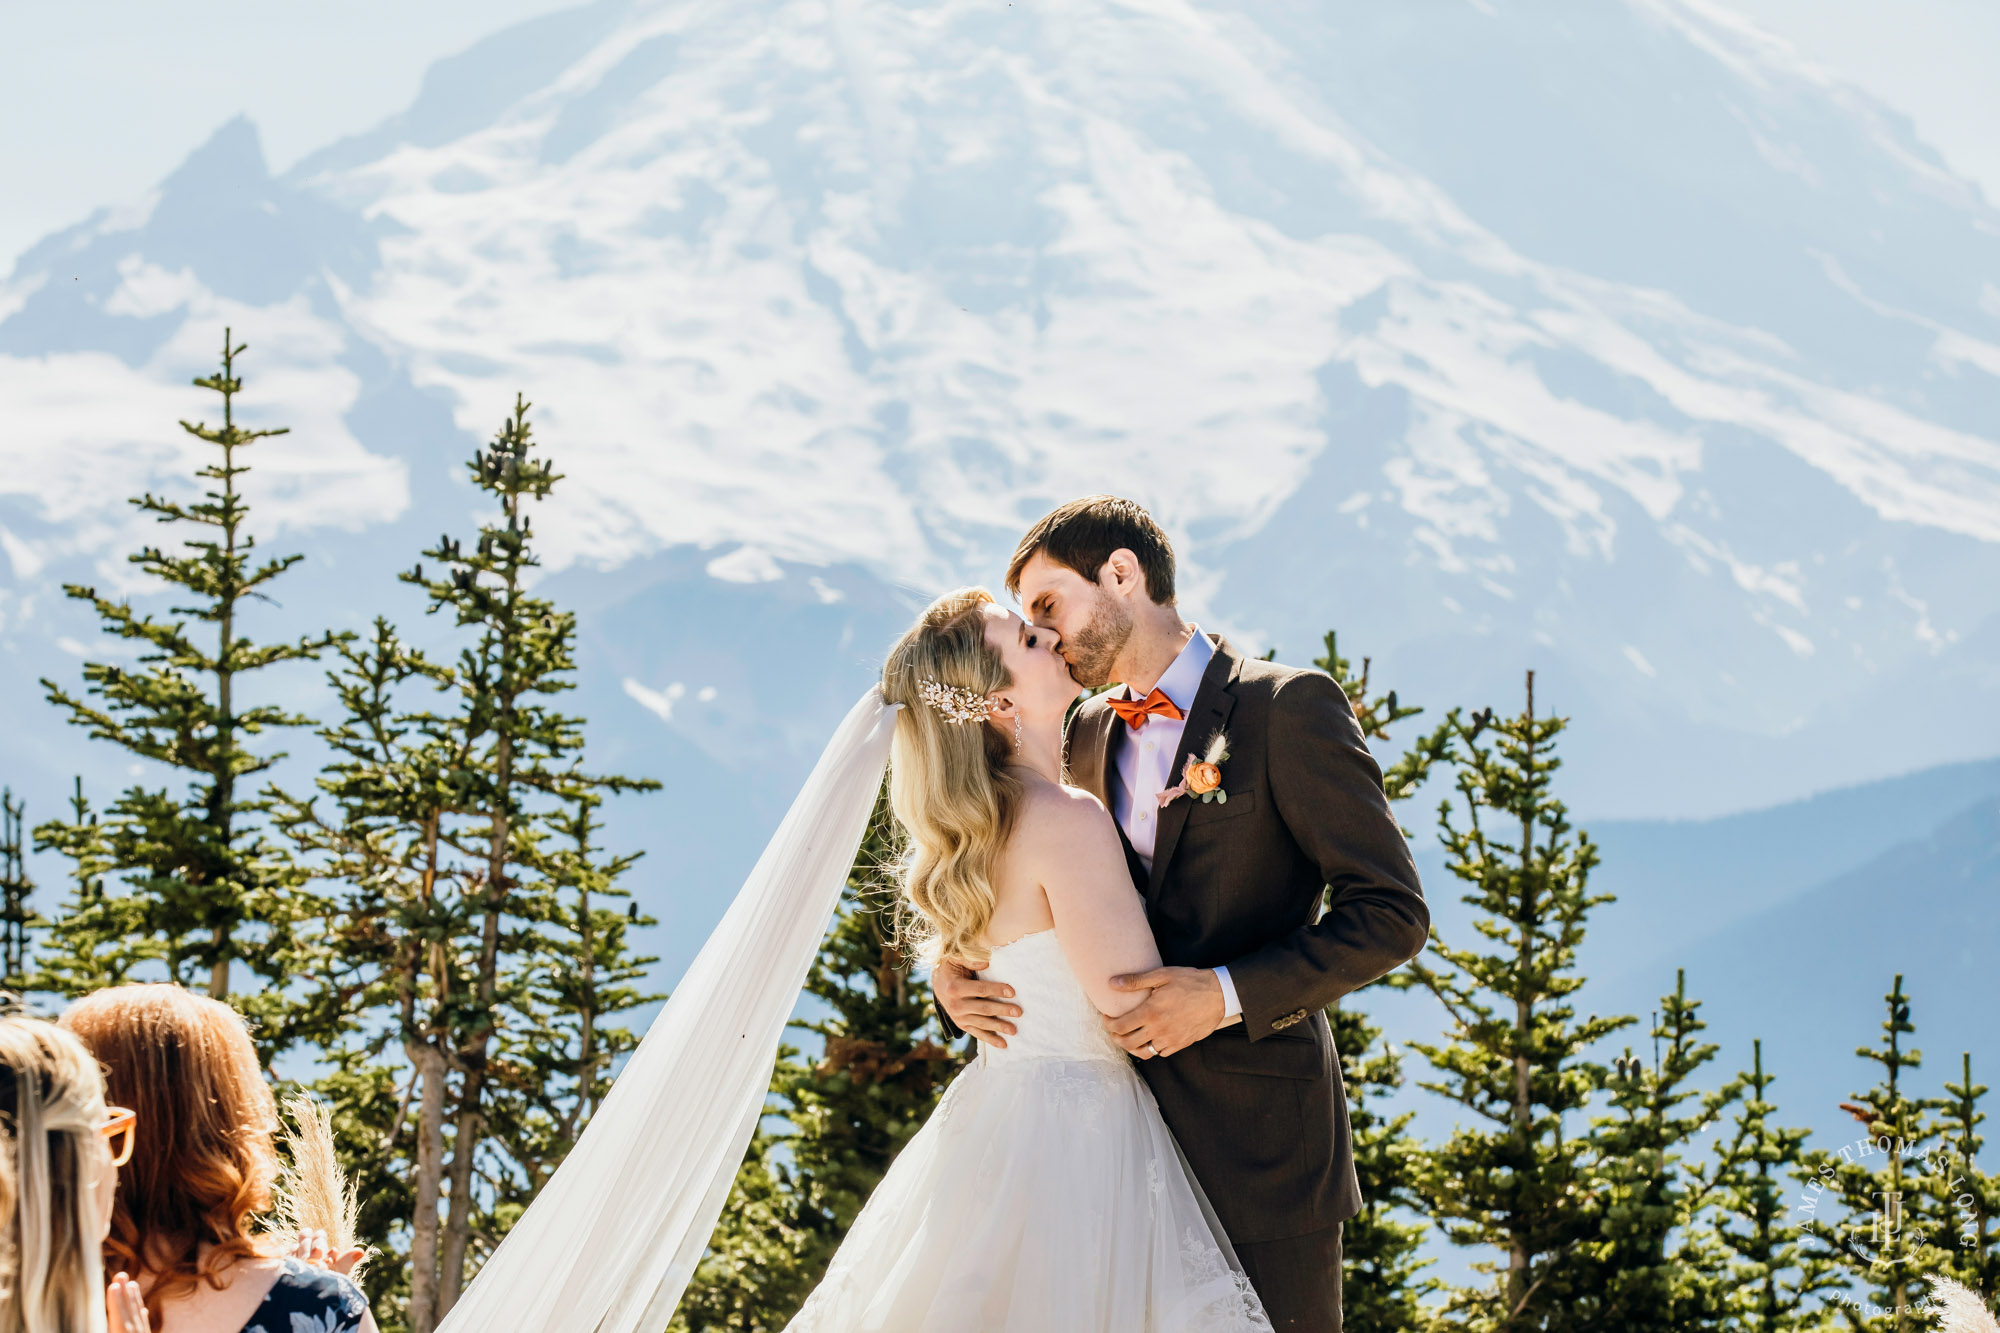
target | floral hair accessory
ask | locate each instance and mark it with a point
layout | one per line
(957, 703)
(1202, 776)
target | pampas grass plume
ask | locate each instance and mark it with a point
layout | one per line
(1960, 1309)
(313, 1193)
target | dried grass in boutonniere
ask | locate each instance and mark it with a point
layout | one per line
(1202, 777)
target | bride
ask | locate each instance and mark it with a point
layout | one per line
(1045, 1193)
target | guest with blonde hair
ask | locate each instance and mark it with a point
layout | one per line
(184, 1220)
(57, 1175)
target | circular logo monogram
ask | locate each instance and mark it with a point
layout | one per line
(1891, 1227)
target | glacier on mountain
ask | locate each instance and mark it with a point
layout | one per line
(1612, 340)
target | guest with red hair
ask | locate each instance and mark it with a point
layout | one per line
(202, 1171)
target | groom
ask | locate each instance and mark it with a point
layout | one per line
(1233, 1039)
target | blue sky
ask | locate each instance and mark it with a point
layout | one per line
(103, 97)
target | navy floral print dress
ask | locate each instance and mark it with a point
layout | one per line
(306, 1299)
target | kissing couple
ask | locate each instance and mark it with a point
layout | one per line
(1142, 916)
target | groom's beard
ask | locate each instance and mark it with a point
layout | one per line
(1095, 647)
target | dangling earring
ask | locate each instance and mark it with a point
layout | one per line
(1017, 733)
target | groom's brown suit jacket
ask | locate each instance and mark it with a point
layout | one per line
(1258, 1106)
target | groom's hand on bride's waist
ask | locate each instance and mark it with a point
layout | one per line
(1185, 1005)
(979, 1007)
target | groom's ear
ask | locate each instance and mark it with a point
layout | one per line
(1121, 575)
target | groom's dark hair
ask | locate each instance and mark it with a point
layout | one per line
(1082, 534)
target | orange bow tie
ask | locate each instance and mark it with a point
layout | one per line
(1135, 713)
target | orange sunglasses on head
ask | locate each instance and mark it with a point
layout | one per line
(118, 1127)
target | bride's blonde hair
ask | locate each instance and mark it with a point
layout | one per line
(948, 780)
(51, 1172)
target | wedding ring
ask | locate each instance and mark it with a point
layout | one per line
(1154, 1049)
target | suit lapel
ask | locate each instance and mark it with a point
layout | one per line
(1206, 716)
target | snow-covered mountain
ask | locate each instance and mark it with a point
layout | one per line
(1608, 339)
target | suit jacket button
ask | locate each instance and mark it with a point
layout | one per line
(1296, 1016)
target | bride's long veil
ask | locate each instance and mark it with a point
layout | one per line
(610, 1243)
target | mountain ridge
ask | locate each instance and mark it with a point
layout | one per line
(1709, 443)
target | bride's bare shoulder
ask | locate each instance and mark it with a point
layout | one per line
(1054, 814)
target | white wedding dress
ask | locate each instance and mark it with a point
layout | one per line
(1044, 1195)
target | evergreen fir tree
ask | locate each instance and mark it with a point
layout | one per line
(474, 933)
(1742, 1230)
(1638, 1274)
(1885, 1238)
(203, 886)
(17, 916)
(68, 959)
(1964, 1198)
(1516, 1051)
(519, 751)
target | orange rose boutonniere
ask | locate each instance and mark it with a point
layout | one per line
(1201, 778)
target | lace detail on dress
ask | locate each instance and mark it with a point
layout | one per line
(1082, 1088)
(1219, 1296)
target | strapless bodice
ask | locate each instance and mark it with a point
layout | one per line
(1058, 1021)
